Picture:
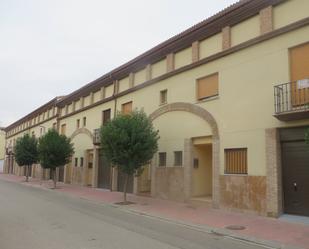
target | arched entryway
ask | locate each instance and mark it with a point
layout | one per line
(79, 171)
(170, 178)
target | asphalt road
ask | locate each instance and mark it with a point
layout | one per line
(33, 218)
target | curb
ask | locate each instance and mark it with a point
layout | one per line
(201, 228)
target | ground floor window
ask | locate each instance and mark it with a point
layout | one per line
(236, 161)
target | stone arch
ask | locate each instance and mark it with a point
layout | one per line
(207, 116)
(82, 131)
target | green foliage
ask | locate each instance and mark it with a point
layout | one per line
(25, 150)
(54, 150)
(129, 141)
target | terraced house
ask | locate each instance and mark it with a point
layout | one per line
(229, 97)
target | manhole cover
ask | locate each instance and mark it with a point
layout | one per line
(235, 227)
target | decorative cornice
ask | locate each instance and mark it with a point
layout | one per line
(31, 115)
(244, 45)
(34, 125)
(230, 16)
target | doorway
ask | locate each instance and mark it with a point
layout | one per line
(202, 172)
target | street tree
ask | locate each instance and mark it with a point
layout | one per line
(55, 150)
(26, 152)
(129, 142)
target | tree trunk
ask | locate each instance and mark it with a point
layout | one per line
(55, 178)
(27, 173)
(125, 188)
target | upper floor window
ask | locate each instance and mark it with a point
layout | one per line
(207, 87)
(106, 116)
(126, 108)
(81, 161)
(163, 97)
(76, 162)
(84, 121)
(77, 124)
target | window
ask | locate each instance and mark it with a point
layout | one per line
(163, 97)
(162, 159)
(63, 129)
(84, 121)
(55, 126)
(126, 108)
(33, 134)
(299, 73)
(76, 162)
(207, 86)
(236, 161)
(77, 123)
(106, 116)
(81, 161)
(177, 158)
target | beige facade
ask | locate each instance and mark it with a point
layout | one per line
(250, 56)
(2, 143)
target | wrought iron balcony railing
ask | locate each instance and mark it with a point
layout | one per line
(96, 137)
(292, 100)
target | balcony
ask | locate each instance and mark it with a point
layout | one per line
(96, 137)
(292, 100)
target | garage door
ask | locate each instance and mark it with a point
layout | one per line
(295, 165)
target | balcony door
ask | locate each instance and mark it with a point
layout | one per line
(299, 73)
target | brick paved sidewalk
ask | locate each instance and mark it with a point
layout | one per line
(258, 228)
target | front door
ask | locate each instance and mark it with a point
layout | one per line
(104, 174)
(295, 162)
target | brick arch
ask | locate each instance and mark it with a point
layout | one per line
(210, 120)
(187, 107)
(82, 131)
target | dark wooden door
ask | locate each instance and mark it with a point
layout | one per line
(104, 174)
(295, 162)
(61, 174)
(121, 180)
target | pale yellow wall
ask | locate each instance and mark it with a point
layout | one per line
(123, 84)
(289, 12)
(70, 108)
(244, 107)
(202, 176)
(109, 91)
(97, 96)
(77, 105)
(140, 77)
(211, 45)
(87, 100)
(245, 30)
(2, 144)
(173, 135)
(158, 68)
(183, 57)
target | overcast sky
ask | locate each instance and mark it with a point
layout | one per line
(52, 47)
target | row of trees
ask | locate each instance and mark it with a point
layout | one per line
(52, 150)
(129, 142)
